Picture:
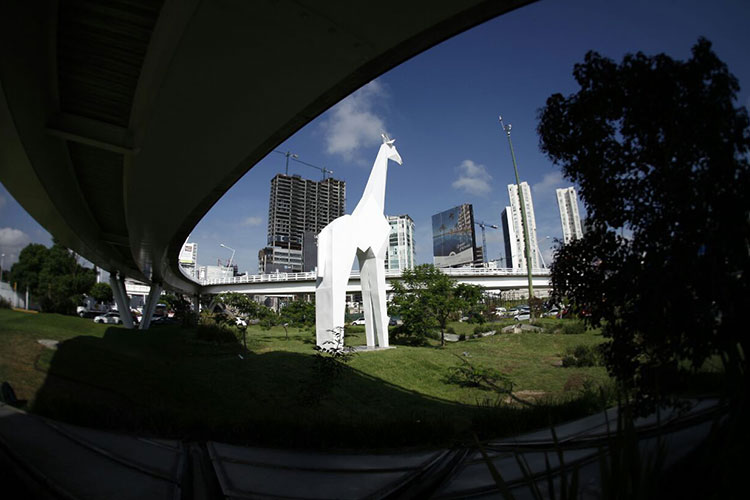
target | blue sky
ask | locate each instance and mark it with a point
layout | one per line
(442, 108)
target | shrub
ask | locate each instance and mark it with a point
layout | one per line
(479, 329)
(573, 327)
(215, 327)
(583, 355)
(4, 304)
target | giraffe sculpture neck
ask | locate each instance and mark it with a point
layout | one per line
(375, 189)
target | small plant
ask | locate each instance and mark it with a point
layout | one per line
(4, 304)
(329, 366)
(488, 379)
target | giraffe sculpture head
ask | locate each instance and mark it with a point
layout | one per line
(392, 152)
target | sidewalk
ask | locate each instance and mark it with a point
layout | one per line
(67, 461)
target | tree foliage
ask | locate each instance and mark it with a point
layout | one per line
(53, 277)
(242, 305)
(101, 292)
(426, 298)
(298, 313)
(660, 153)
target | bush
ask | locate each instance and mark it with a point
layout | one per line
(215, 327)
(583, 355)
(573, 327)
(4, 304)
(479, 329)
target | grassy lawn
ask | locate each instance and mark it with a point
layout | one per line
(164, 382)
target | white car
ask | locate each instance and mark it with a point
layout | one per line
(522, 316)
(109, 318)
(358, 322)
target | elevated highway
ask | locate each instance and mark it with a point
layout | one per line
(106, 106)
(303, 283)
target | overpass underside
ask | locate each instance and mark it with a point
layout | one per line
(107, 108)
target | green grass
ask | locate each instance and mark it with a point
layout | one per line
(163, 382)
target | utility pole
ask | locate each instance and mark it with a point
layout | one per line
(484, 239)
(524, 223)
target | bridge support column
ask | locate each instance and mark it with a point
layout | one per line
(117, 282)
(150, 306)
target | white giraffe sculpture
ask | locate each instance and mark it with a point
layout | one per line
(365, 233)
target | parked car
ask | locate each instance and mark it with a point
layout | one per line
(358, 322)
(522, 315)
(112, 318)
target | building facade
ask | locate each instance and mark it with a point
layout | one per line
(570, 218)
(453, 237)
(189, 259)
(297, 206)
(400, 254)
(513, 230)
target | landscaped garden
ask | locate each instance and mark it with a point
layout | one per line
(167, 382)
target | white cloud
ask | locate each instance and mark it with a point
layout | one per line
(13, 240)
(354, 123)
(473, 178)
(252, 221)
(549, 183)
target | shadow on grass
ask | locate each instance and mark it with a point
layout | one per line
(163, 383)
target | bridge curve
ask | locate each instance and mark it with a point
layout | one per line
(104, 105)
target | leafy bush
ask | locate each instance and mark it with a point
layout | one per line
(583, 355)
(215, 327)
(487, 327)
(4, 304)
(573, 327)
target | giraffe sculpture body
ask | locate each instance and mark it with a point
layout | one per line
(365, 234)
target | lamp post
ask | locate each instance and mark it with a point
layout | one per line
(524, 223)
(228, 248)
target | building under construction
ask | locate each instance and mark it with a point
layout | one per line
(298, 210)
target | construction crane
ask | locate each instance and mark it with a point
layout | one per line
(295, 157)
(483, 225)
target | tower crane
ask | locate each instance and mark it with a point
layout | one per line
(484, 225)
(295, 157)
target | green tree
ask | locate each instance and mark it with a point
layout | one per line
(426, 298)
(53, 276)
(240, 304)
(101, 292)
(660, 154)
(298, 313)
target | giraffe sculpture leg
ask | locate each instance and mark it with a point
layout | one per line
(372, 277)
(336, 252)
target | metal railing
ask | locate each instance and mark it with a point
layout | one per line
(311, 275)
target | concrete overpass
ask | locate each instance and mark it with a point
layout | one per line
(105, 106)
(303, 283)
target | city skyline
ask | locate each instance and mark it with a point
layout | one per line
(442, 108)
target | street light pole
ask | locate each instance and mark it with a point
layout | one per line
(288, 154)
(524, 223)
(228, 248)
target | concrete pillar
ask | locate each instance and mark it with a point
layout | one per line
(150, 307)
(121, 298)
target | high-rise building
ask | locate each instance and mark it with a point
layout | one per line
(297, 206)
(515, 252)
(567, 200)
(453, 237)
(400, 243)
